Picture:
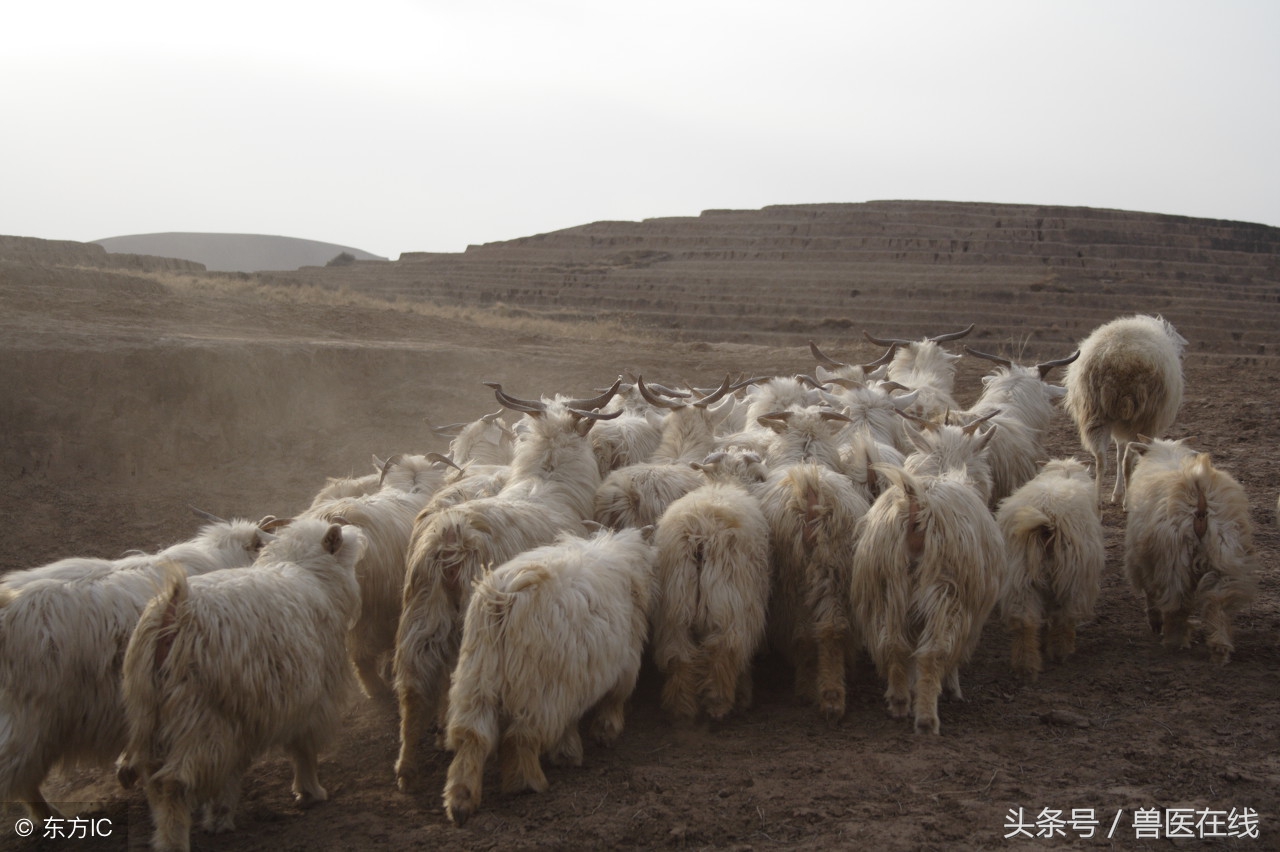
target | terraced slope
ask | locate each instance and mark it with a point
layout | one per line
(891, 267)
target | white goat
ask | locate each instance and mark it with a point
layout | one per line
(940, 447)
(553, 478)
(928, 569)
(813, 512)
(637, 495)
(549, 635)
(1054, 537)
(387, 520)
(63, 631)
(713, 579)
(1127, 381)
(924, 366)
(1188, 542)
(1020, 403)
(227, 665)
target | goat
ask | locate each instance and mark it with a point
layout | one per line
(1022, 402)
(813, 512)
(1188, 542)
(1056, 553)
(224, 666)
(713, 579)
(924, 366)
(553, 478)
(928, 568)
(1127, 381)
(943, 446)
(637, 495)
(549, 635)
(63, 632)
(386, 518)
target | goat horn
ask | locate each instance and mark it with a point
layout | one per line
(672, 392)
(955, 335)
(892, 342)
(1047, 366)
(515, 404)
(595, 415)
(208, 516)
(596, 401)
(835, 415)
(742, 383)
(823, 359)
(973, 427)
(653, 399)
(449, 430)
(1003, 362)
(881, 361)
(811, 382)
(386, 466)
(489, 418)
(715, 395)
(442, 459)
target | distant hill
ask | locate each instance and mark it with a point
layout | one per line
(234, 252)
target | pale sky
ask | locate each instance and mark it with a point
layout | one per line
(410, 125)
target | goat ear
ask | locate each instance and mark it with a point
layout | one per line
(333, 539)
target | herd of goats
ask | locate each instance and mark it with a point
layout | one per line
(506, 591)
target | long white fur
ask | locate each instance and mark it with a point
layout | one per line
(713, 579)
(553, 479)
(943, 447)
(924, 366)
(63, 631)
(1188, 543)
(224, 666)
(813, 513)
(1021, 405)
(928, 569)
(1054, 537)
(548, 635)
(386, 518)
(1127, 381)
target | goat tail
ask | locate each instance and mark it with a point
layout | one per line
(145, 660)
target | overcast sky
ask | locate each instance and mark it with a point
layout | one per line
(410, 125)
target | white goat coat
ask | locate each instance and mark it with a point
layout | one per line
(225, 666)
(63, 631)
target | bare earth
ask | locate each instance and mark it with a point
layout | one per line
(128, 397)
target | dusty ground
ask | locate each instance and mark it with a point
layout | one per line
(126, 399)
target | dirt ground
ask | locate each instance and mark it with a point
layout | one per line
(128, 398)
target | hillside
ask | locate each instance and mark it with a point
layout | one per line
(234, 252)
(1050, 273)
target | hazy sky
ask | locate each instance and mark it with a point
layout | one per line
(408, 125)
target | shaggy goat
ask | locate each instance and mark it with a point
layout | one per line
(1020, 404)
(212, 679)
(1188, 542)
(387, 519)
(63, 631)
(813, 512)
(549, 635)
(713, 580)
(928, 569)
(637, 495)
(1127, 381)
(1056, 556)
(553, 478)
(924, 366)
